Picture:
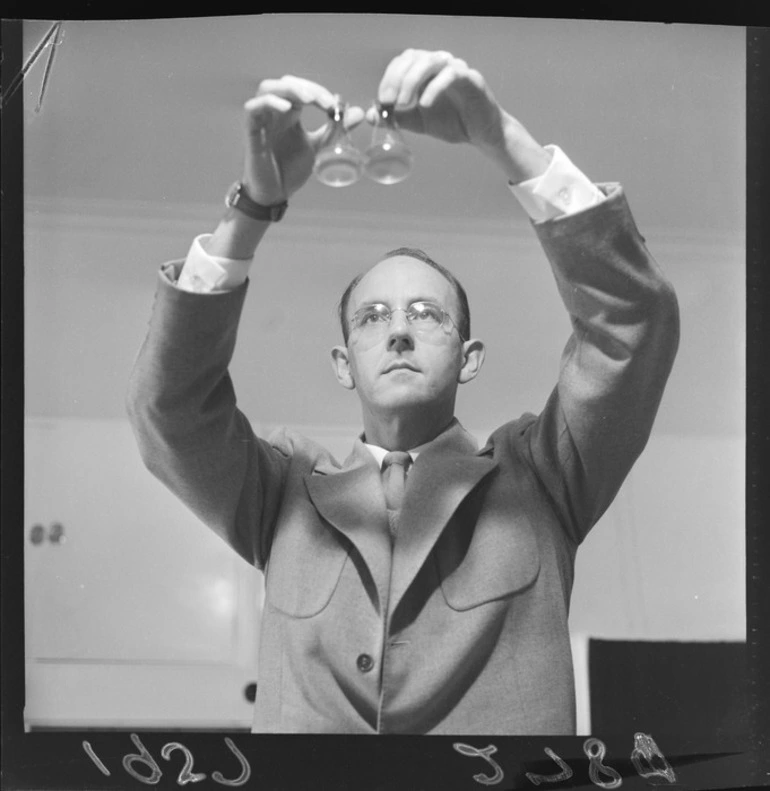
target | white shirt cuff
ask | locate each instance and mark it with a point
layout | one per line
(205, 273)
(563, 189)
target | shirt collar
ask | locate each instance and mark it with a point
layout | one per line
(380, 453)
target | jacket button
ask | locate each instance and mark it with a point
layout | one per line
(365, 663)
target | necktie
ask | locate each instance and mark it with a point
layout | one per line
(394, 467)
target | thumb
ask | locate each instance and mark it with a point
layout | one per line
(353, 117)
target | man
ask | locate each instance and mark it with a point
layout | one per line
(442, 608)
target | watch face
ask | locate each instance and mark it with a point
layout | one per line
(232, 195)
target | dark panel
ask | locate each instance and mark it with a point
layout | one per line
(691, 697)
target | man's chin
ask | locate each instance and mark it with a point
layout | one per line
(404, 400)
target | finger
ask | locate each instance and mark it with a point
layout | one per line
(407, 72)
(269, 104)
(298, 91)
(418, 75)
(353, 117)
(266, 112)
(387, 91)
(456, 75)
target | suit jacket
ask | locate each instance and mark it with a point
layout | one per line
(461, 625)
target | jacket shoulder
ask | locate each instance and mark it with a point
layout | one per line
(301, 450)
(510, 436)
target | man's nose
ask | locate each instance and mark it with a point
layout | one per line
(400, 335)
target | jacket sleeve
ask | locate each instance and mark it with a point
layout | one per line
(625, 334)
(191, 436)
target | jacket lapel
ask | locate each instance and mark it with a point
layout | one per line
(441, 478)
(352, 500)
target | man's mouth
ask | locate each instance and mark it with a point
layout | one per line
(399, 366)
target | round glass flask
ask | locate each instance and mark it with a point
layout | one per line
(388, 158)
(339, 162)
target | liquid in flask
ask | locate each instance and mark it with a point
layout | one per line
(339, 162)
(388, 158)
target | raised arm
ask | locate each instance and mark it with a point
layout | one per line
(180, 400)
(623, 311)
(625, 334)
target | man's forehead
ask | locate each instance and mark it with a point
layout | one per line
(397, 276)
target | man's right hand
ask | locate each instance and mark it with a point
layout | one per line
(279, 151)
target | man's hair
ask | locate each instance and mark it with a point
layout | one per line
(463, 320)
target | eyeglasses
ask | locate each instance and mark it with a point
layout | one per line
(373, 321)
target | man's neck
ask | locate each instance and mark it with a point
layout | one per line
(399, 433)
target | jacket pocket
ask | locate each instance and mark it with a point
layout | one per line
(493, 560)
(305, 565)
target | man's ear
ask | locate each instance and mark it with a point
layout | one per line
(473, 358)
(341, 366)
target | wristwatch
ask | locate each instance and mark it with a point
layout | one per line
(238, 198)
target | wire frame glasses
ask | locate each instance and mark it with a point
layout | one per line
(425, 318)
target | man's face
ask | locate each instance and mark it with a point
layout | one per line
(401, 367)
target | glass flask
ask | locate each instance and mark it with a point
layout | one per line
(339, 162)
(388, 158)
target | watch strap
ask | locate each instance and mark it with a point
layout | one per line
(238, 198)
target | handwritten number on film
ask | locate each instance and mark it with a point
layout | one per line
(144, 759)
(643, 757)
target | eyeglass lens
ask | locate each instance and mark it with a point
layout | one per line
(421, 313)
